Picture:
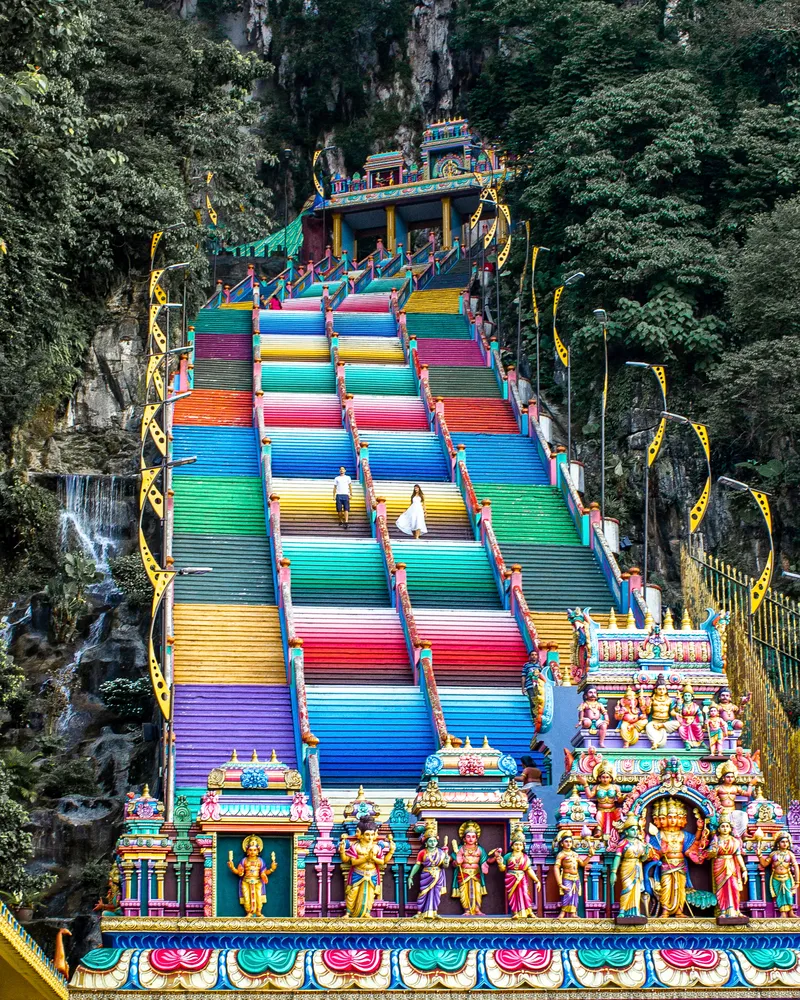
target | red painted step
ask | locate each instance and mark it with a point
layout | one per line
(473, 648)
(215, 408)
(480, 415)
(390, 413)
(300, 409)
(450, 352)
(353, 646)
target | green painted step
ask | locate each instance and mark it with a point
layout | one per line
(437, 325)
(447, 576)
(385, 284)
(339, 573)
(557, 577)
(241, 565)
(309, 377)
(223, 321)
(529, 514)
(380, 380)
(219, 373)
(463, 381)
(219, 505)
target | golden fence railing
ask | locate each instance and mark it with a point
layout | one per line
(775, 626)
(769, 726)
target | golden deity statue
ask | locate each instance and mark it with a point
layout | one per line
(253, 875)
(674, 845)
(471, 865)
(366, 857)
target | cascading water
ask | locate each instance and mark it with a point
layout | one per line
(93, 519)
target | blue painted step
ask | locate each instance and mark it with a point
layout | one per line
(502, 458)
(503, 716)
(314, 454)
(394, 721)
(220, 451)
(364, 324)
(416, 457)
(291, 321)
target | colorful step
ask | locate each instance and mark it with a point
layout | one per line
(473, 647)
(364, 303)
(212, 720)
(241, 569)
(296, 409)
(390, 413)
(557, 577)
(215, 407)
(453, 351)
(418, 457)
(279, 321)
(528, 513)
(454, 380)
(356, 646)
(364, 324)
(438, 300)
(311, 454)
(213, 373)
(229, 505)
(394, 722)
(442, 326)
(223, 321)
(482, 416)
(502, 458)
(445, 512)
(448, 574)
(373, 350)
(554, 626)
(282, 347)
(309, 377)
(228, 643)
(224, 346)
(380, 380)
(359, 577)
(220, 451)
(502, 717)
(456, 277)
(308, 508)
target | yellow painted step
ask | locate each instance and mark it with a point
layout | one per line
(554, 626)
(228, 644)
(382, 350)
(237, 305)
(439, 300)
(277, 347)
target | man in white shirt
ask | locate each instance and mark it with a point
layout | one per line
(342, 492)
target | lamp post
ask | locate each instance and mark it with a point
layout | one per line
(602, 318)
(521, 290)
(652, 453)
(758, 591)
(698, 511)
(565, 353)
(534, 303)
(287, 153)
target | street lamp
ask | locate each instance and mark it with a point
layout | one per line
(534, 303)
(565, 353)
(287, 153)
(602, 318)
(698, 511)
(652, 453)
(758, 591)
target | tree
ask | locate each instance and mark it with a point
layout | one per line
(16, 848)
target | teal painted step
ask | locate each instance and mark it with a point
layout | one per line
(528, 513)
(380, 380)
(457, 575)
(340, 572)
(299, 377)
(377, 738)
(446, 325)
(223, 321)
(315, 290)
(502, 716)
(463, 381)
(456, 277)
(386, 284)
(213, 373)
(557, 577)
(241, 569)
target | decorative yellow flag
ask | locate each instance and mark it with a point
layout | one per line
(148, 490)
(759, 588)
(153, 244)
(534, 303)
(317, 185)
(561, 350)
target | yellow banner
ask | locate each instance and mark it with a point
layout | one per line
(154, 279)
(655, 444)
(503, 255)
(476, 215)
(149, 491)
(487, 239)
(151, 426)
(698, 512)
(157, 679)
(211, 211)
(317, 185)
(154, 376)
(561, 350)
(702, 433)
(759, 589)
(153, 244)
(763, 502)
(157, 335)
(534, 303)
(605, 375)
(661, 375)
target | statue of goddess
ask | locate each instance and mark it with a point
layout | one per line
(519, 871)
(727, 868)
(629, 857)
(785, 875)
(432, 861)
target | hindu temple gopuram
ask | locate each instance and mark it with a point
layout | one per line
(468, 761)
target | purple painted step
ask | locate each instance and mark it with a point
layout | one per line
(444, 351)
(211, 720)
(228, 346)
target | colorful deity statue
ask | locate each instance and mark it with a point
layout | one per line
(784, 877)
(607, 795)
(690, 718)
(632, 720)
(113, 901)
(674, 844)
(629, 858)
(593, 716)
(367, 857)
(729, 710)
(728, 790)
(471, 865)
(727, 868)
(568, 876)
(253, 875)
(660, 717)
(519, 873)
(716, 731)
(654, 646)
(432, 861)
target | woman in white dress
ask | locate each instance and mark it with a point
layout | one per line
(412, 520)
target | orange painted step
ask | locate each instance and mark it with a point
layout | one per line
(216, 408)
(482, 416)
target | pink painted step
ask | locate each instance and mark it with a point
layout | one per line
(390, 413)
(366, 303)
(450, 352)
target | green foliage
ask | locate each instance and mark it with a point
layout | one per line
(12, 682)
(129, 699)
(66, 593)
(16, 850)
(74, 776)
(24, 775)
(28, 533)
(130, 578)
(112, 114)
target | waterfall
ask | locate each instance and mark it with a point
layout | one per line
(93, 519)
